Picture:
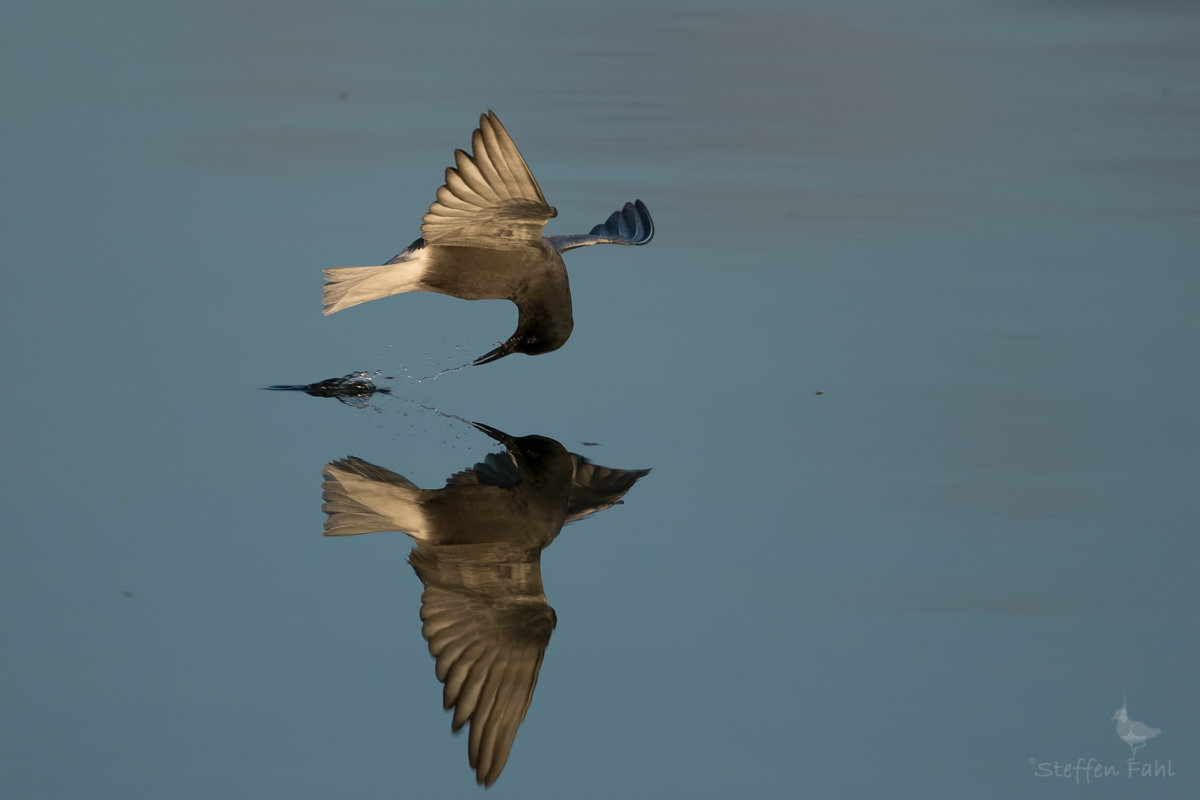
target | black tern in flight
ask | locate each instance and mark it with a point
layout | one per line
(482, 240)
(479, 544)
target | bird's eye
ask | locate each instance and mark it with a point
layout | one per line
(531, 339)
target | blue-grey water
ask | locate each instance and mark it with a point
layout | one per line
(913, 358)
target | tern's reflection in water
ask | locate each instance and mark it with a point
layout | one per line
(479, 544)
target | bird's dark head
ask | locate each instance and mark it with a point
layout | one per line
(539, 450)
(545, 467)
(537, 456)
(544, 341)
(531, 344)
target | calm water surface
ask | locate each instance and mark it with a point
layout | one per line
(913, 357)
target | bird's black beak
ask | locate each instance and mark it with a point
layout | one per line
(500, 436)
(497, 354)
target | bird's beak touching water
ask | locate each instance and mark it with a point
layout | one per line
(500, 352)
(500, 436)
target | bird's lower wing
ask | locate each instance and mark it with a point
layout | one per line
(631, 225)
(490, 199)
(596, 488)
(487, 623)
(496, 469)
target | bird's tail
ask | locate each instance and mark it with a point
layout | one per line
(363, 498)
(349, 286)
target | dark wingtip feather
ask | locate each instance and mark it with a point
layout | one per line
(645, 220)
(631, 225)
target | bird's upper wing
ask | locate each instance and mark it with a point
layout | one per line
(1138, 729)
(487, 623)
(496, 469)
(490, 199)
(596, 488)
(631, 225)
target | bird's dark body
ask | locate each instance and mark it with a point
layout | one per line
(530, 513)
(534, 278)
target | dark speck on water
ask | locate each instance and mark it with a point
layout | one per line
(352, 389)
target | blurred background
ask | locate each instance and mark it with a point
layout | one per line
(913, 357)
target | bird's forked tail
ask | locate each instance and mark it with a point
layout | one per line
(363, 498)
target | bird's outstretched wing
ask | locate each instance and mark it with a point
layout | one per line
(487, 623)
(490, 199)
(631, 225)
(596, 488)
(496, 469)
